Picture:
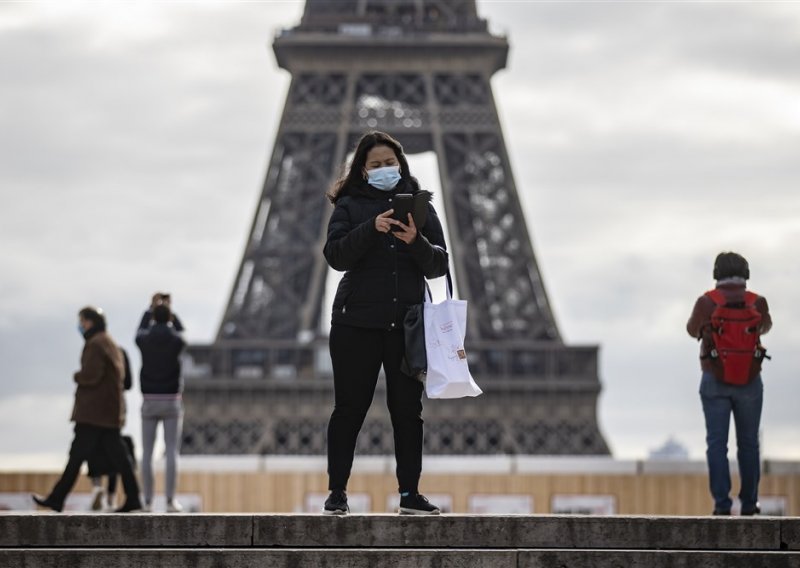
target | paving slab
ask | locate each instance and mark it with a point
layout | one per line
(655, 559)
(520, 531)
(254, 558)
(389, 558)
(394, 531)
(189, 530)
(790, 533)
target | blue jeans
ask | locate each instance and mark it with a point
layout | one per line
(745, 402)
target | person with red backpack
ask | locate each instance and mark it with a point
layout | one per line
(729, 321)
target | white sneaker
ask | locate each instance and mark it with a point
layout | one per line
(174, 507)
(147, 508)
(98, 493)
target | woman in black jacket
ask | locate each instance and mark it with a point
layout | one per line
(385, 262)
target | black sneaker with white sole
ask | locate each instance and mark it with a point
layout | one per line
(416, 504)
(336, 503)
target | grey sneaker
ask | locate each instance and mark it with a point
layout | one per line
(336, 503)
(417, 504)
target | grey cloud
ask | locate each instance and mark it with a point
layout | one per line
(610, 41)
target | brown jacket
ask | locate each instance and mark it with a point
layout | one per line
(98, 398)
(700, 320)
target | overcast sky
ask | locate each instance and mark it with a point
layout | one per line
(644, 138)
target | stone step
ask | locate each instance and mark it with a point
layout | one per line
(389, 558)
(45, 530)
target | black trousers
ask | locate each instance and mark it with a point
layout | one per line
(88, 440)
(357, 355)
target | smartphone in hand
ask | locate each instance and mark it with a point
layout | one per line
(403, 204)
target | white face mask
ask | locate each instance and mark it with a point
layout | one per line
(385, 179)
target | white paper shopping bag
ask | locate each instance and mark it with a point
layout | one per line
(445, 327)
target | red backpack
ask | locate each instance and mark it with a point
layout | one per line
(736, 351)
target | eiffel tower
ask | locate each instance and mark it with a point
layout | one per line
(419, 70)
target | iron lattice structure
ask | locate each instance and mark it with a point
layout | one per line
(421, 71)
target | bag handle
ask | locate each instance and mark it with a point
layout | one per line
(449, 284)
(429, 297)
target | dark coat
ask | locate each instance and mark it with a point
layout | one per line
(98, 397)
(383, 275)
(161, 347)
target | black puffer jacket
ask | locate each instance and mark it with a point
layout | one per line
(161, 346)
(383, 275)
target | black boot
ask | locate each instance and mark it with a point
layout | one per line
(130, 506)
(46, 502)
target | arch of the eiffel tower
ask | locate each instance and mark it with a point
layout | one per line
(420, 70)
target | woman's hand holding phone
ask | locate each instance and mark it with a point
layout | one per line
(406, 232)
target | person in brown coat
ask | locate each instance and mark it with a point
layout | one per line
(722, 399)
(98, 413)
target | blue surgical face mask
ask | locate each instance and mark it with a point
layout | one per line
(80, 329)
(384, 179)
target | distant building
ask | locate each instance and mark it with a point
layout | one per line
(671, 450)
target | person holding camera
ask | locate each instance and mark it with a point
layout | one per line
(160, 298)
(385, 262)
(160, 341)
